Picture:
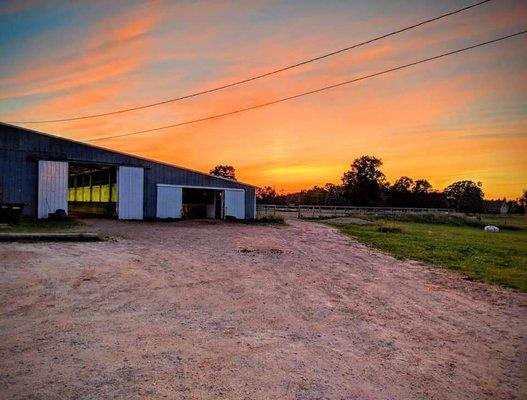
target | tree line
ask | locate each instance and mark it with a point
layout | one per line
(366, 185)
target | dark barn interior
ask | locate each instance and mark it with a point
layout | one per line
(92, 190)
(202, 203)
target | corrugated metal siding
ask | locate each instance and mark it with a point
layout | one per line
(235, 203)
(169, 202)
(255, 207)
(18, 180)
(52, 187)
(20, 149)
(130, 183)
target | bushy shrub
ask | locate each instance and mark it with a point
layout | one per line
(447, 219)
(389, 228)
(269, 219)
(435, 218)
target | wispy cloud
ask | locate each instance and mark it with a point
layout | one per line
(448, 119)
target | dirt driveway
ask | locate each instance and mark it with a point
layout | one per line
(199, 310)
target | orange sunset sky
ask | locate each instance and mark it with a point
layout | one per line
(461, 117)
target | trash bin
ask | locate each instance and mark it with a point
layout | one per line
(11, 212)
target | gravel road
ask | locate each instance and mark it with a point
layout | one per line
(212, 310)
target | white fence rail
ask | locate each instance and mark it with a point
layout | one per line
(307, 211)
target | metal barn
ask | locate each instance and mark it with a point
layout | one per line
(46, 173)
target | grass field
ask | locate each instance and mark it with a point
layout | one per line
(42, 225)
(457, 243)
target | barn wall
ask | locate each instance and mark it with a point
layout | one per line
(21, 149)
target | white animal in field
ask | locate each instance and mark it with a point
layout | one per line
(491, 228)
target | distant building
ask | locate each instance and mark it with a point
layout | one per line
(495, 206)
(47, 173)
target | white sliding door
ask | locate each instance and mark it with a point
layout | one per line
(130, 183)
(52, 187)
(169, 201)
(235, 203)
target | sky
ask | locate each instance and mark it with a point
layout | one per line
(461, 117)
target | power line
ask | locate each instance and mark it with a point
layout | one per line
(296, 96)
(253, 78)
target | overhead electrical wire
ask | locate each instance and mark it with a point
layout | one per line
(253, 78)
(296, 96)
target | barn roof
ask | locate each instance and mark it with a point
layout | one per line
(121, 153)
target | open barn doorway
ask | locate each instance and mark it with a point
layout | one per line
(202, 203)
(92, 190)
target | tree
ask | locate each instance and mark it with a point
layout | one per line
(335, 195)
(266, 195)
(515, 207)
(403, 184)
(423, 196)
(400, 195)
(421, 186)
(225, 171)
(465, 196)
(522, 202)
(364, 183)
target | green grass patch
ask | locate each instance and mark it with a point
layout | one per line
(42, 225)
(499, 258)
(389, 228)
(508, 222)
(268, 219)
